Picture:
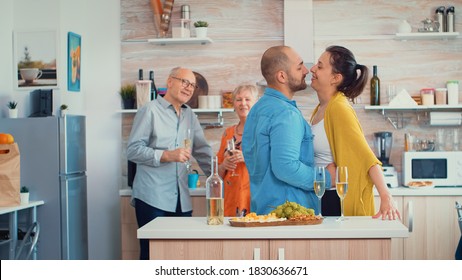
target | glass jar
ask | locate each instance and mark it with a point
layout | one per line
(428, 96)
(441, 96)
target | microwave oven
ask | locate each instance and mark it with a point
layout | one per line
(443, 168)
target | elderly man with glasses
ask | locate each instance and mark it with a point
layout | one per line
(157, 146)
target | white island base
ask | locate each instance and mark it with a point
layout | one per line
(190, 238)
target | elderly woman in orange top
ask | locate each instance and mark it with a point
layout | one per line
(231, 166)
(338, 136)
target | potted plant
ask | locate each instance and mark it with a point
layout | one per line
(24, 193)
(63, 109)
(12, 110)
(128, 95)
(201, 28)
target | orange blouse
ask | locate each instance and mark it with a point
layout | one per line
(236, 188)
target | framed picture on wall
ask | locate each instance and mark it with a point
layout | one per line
(74, 46)
(35, 59)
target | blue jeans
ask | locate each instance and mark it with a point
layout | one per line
(146, 213)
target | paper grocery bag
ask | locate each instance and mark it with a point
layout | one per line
(9, 175)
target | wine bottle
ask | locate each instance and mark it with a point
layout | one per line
(153, 85)
(375, 87)
(140, 74)
(214, 196)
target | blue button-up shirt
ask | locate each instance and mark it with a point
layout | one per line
(157, 128)
(278, 149)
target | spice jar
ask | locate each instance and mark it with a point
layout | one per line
(428, 96)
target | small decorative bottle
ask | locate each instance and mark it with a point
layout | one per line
(375, 88)
(153, 85)
(214, 195)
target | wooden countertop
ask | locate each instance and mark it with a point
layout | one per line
(197, 228)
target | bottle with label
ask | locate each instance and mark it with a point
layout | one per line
(214, 196)
(375, 87)
(153, 85)
(453, 92)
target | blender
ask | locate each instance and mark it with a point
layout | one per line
(382, 144)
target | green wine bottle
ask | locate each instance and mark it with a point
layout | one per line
(375, 88)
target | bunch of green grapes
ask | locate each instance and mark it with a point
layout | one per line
(292, 209)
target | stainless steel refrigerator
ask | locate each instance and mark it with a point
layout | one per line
(53, 166)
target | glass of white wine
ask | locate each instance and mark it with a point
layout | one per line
(231, 148)
(341, 181)
(319, 183)
(187, 144)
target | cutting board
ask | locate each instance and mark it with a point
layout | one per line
(202, 89)
(276, 223)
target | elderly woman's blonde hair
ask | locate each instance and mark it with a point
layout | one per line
(251, 88)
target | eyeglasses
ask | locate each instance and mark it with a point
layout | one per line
(185, 83)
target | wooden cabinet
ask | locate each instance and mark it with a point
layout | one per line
(435, 230)
(129, 226)
(257, 249)
(209, 249)
(325, 249)
(396, 243)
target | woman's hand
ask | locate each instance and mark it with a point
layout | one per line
(387, 209)
(231, 159)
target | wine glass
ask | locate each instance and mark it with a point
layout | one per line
(341, 181)
(231, 148)
(187, 144)
(319, 183)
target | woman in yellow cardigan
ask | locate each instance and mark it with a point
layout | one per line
(338, 79)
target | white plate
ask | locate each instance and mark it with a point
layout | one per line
(423, 187)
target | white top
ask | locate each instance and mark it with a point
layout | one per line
(322, 153)
(197, 228)
(9, 209)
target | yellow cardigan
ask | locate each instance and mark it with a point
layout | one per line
(349, 148)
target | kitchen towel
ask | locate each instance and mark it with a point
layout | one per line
(445, 118)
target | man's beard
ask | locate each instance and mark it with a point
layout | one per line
(297, 85)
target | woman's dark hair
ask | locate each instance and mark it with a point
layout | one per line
(343, 62)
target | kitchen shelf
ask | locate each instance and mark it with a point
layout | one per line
(395, 114)
(180, 41)
(416, 108)
(426, 35)
(219, 112)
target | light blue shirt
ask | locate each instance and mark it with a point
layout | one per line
(278, 149)
(157, 128)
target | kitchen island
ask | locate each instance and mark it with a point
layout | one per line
(191, 238)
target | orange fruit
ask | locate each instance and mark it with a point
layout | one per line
(6, 138)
